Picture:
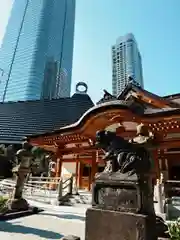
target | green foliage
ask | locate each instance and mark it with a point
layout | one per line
(174, 229)
(38, 152)
(3, 201)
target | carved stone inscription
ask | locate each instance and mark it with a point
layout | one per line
(119, 199)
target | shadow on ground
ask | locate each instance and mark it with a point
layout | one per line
(14, 228)
(65, 216)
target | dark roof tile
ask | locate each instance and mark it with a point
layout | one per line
(20, 119)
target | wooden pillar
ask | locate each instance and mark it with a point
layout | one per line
(77, 172)
(156, 163)
(167, 168)
(163, 165)
(81, 167)
(58, 167)
(89, 179)
(58, 164)
(57, 159)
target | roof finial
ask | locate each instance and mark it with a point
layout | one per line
(81, 84)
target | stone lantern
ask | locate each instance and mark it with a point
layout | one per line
(25, 157)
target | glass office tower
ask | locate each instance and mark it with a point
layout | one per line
(126, 62)
(37, 50)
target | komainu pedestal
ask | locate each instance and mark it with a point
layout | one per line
(118, 192)
(121, 209)
(123, 192)
(115, 225)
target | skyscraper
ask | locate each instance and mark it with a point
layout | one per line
(37, 50)
(126, 62)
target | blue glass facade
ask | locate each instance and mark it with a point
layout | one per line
(37, 50)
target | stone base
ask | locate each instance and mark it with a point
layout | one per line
(10, 214)
(111, 225)
(17, 204)
(70, 237)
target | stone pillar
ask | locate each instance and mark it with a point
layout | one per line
(60, 189)
(159, 196)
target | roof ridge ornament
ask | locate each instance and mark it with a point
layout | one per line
(108, 95)
(131, 80)
(78, 89)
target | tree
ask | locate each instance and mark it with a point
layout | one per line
(2, 149)
(41, 161)
(6, 161)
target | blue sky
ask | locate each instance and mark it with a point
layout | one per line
(155, 24)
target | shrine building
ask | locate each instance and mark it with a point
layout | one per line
(73, 143)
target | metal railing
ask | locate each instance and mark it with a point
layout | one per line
(42, 189)
(48, 189)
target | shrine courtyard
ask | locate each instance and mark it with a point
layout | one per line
(75, 146)
(54, 223)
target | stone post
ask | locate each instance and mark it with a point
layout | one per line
(159, 196)
(59, 191)
(70, 188)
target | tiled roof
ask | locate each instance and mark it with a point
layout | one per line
(161, 112)
(20, 119)
(172, 96)
(136, 88)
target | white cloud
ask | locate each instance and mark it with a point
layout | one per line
(5, 10)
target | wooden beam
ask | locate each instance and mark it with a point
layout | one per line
(77, 150)
(86, 161)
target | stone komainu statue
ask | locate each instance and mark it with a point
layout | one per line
(126, 161)
(122, 155)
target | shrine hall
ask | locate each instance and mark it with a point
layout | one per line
(73, 144)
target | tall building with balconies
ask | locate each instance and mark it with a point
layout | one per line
(37, 50)
(126, 63)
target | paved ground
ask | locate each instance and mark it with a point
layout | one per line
(53, 223)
